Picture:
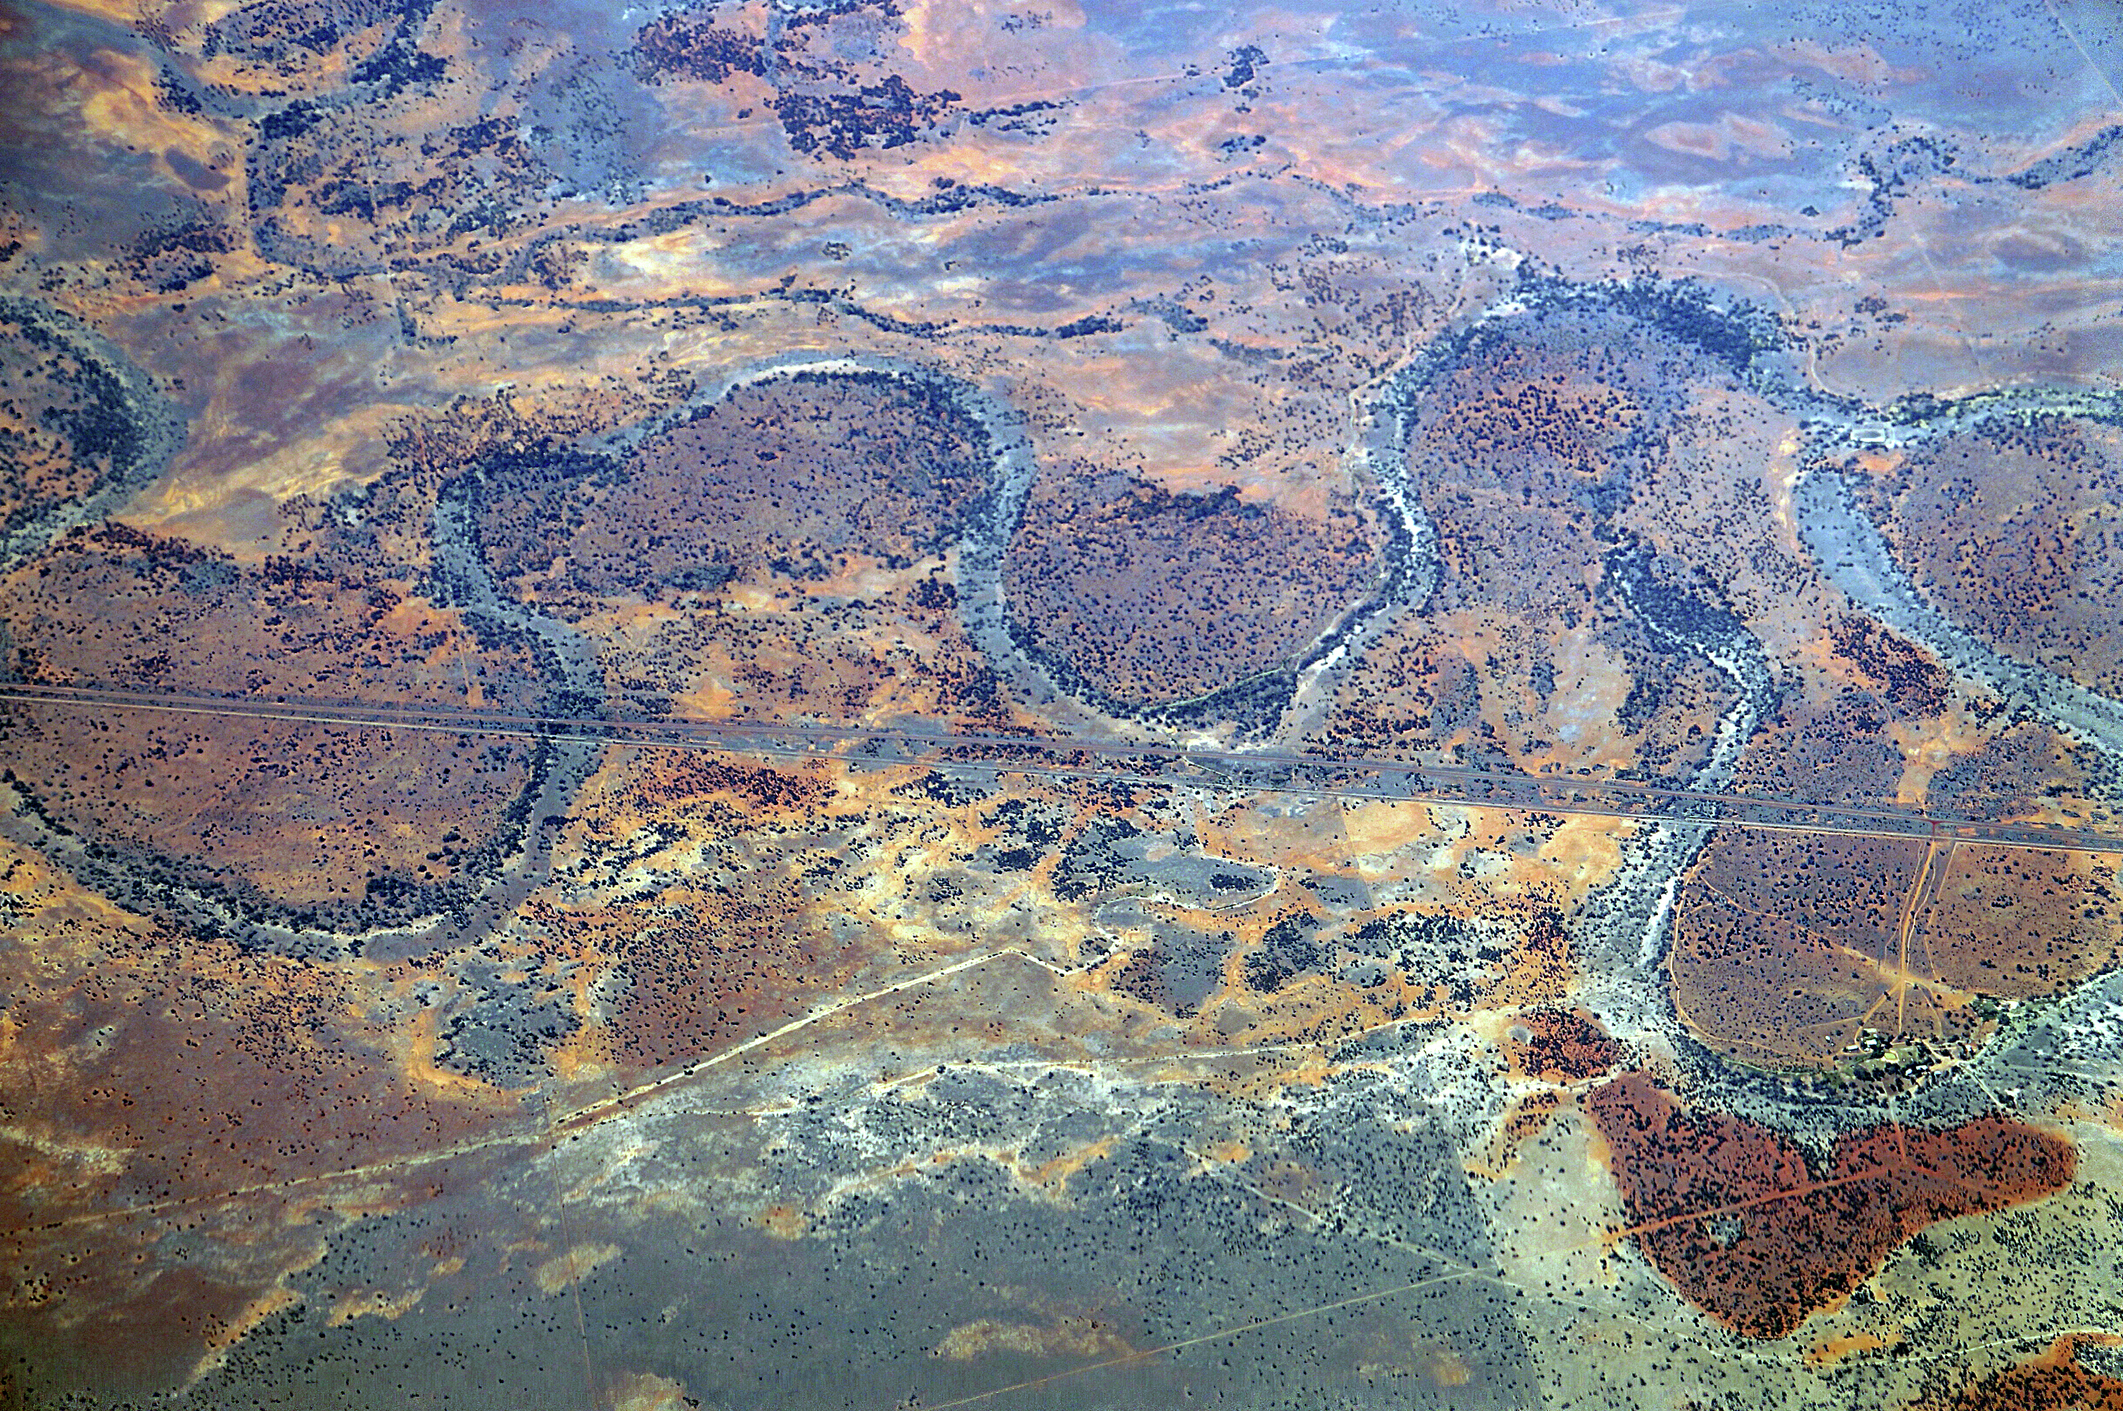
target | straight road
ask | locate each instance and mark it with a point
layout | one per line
(1361, 777)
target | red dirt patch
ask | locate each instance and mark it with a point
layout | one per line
(2052, 1382)
(1731, 1213)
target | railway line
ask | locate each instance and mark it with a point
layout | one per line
(1361, 777)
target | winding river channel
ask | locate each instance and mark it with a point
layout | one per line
(1622, 934)
(1635, 911)
(2055, 1049)
(1625, 930)
(1854, 557)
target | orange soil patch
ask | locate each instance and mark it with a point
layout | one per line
(695, 778)
(1849, 1344)
(1731, 1214)
(2052, 1382)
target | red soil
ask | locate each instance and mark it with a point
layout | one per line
(1730, 1212)
(2052, 1382)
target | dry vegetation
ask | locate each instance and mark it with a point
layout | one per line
(141, 1065)
(2054, 1381)
(1906, 677)
(2017, 530)
(883, 653)
(1832, 750)
(727, 940)
(800, 477)
(1787, 947)
(340, 820)
(62, 424)
(2019, 922)
(1560, 1046)
(782, 551)
(1139, 596)
(2021, 769)
(1733, 1215)
(1784, 945)
(409, 200)
(1523, 452)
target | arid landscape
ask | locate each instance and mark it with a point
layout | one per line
(921, 704)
